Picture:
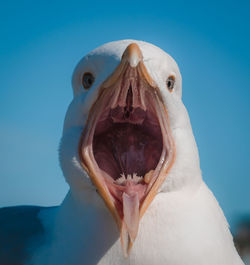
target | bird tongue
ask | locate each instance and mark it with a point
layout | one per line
(131, 213)
(130, 222)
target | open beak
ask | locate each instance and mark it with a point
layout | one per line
(126, 146)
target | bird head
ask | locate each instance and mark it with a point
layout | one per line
(127, 133)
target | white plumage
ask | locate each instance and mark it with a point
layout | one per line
(182, 225)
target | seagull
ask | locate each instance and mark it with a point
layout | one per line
(128, 153)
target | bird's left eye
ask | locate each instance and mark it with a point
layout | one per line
(87, 80)
(170, 83)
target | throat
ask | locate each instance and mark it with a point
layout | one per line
(126, 149)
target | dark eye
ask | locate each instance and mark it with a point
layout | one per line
(87, 80)
(170, 83)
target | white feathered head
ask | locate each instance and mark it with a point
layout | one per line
(127, 134)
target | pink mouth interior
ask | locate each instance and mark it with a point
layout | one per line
(128, 141)
(124, 147)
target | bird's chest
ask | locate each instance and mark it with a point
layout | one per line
(163, 238)
(176, 232)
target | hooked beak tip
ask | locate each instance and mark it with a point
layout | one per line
(132, 55)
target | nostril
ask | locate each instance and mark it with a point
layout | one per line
(129, 99)
(128, 109)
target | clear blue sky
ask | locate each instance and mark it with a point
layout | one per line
(41, 42)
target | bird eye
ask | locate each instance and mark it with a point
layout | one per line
(170, 83)
(87, 80)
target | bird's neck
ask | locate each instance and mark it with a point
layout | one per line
(83, 232)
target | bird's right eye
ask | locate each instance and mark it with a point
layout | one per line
(87, 80)
(170, 83)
